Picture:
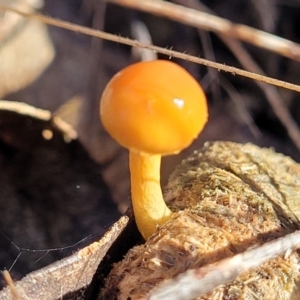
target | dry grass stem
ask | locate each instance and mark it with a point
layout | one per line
(11, 285)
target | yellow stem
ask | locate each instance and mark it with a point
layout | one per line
(150, 209)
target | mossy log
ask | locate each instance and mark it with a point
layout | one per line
(227, 198)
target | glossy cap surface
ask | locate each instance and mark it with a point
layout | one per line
(154, 107)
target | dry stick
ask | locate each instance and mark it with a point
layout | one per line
(168, 52)
(141, 33)
(215, 24)
(194, 283)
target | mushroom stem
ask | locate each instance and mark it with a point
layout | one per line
(149, 207)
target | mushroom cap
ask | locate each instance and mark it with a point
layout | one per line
(153, 107)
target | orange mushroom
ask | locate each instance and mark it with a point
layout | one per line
(152, 108)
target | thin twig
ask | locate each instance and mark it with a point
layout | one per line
(161, 50)
(215, 24)
(194, 283)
